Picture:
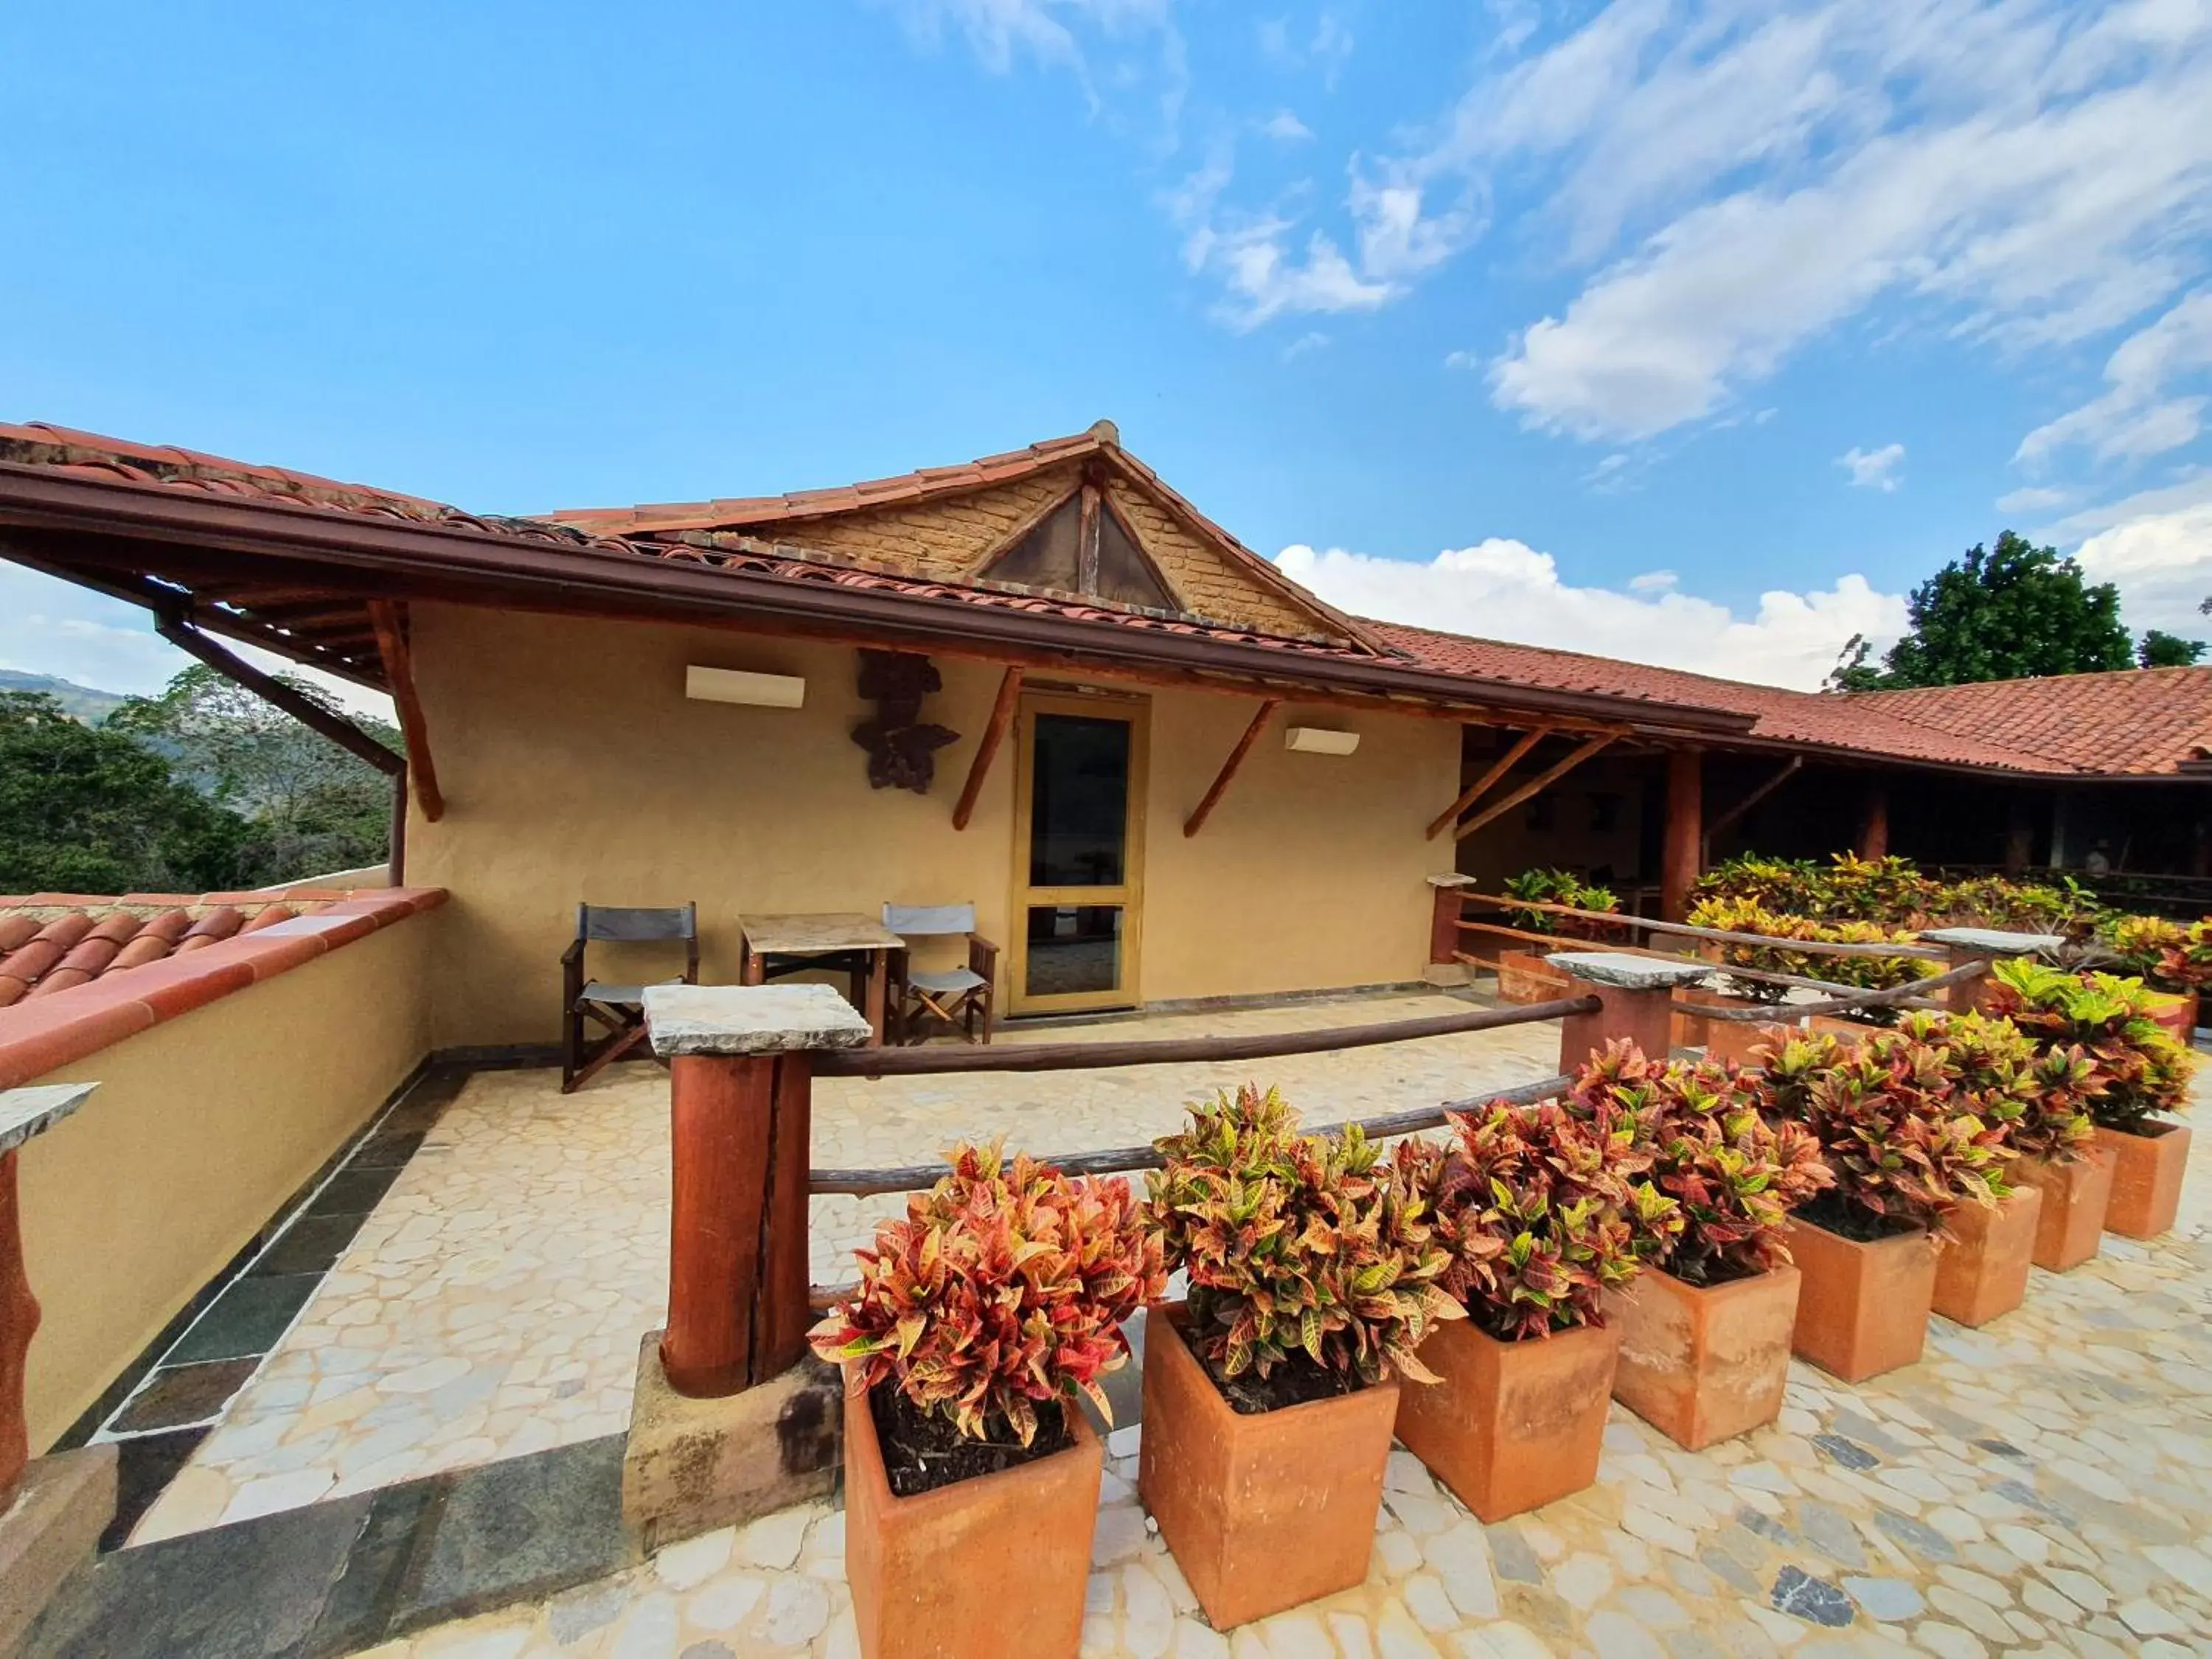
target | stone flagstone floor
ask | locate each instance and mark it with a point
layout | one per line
(492, 1304)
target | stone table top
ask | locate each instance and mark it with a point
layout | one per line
(750, 1020)
(1627, 973)
(1992, 941)
(804, 933)
(32, 1111)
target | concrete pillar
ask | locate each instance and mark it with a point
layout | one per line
(740, 1123)
(1682, 856)
(1636, 998)
(1966, 944)
(1873, 827)
(1444, 918)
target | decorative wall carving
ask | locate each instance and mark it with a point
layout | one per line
(902, 747)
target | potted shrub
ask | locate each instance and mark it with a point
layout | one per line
(1994, 1071)
(1533, 1205)
(971, 1477)
(2174, 961)
(1270, 1392)
(1705, 1330)
(1904, 1154)
(2138, 1075)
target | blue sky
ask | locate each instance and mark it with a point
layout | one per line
(1695, 333)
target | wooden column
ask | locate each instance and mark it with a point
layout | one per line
(23, 1113)
(1873, 827)
(740, 1129)
(2020, 837)
(1636, 997)
(1680, 859)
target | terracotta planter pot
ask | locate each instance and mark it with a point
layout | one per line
(2071, 1228)
(1512, 1424)
(1981, 1270)
(1692, 1029)
(1525, 976)
(2147, 1172)
(1735, 1039)
(977, 1570)
(1266, 1511)
(1862, 1308)
(1702, 1363)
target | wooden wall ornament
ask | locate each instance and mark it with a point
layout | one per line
(901, 746)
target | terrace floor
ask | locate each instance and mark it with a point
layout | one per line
(2042, 1485)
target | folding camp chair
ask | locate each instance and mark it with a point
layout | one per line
(962, 998)
(619, 1008)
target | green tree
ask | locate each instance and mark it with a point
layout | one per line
(83, 810)
(312, 806)
(2010, 612)
(2161, 649)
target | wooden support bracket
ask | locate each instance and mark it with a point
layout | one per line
(1475, 791)
(1196, 821)
(1535, 786)
(390, 620)
(310, 714)
(986, 750)
(1723, 820)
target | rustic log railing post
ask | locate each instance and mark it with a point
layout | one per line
(1444, 919)
(740, 1081)
(1963, 945)
(1636, 1001)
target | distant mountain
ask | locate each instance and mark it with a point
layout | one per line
(86, 704)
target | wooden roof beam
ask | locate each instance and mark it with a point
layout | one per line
(986, 750)
(1499, 808)
(1229, 766)
(1723, 820)
(1475, 791)
(390, 620)
(174, 626)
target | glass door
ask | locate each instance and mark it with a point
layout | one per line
(1079, 840)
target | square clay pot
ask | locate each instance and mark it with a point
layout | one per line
(2146, 1173)
(1513, 1425)
(1861, 1308)
(1264, 1511)
(984, 1567)
(1981, 1270)
(1703, 1363)
(1525, 976)
(2075, 1196)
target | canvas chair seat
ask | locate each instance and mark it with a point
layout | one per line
(599, 991)
(946, 982)
(960, 997)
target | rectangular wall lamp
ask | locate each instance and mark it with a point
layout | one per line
(735, 685)
(1313, 740)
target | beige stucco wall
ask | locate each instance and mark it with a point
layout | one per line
(201, 1128)
(573, 768)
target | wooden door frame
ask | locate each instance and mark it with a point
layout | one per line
(1128, 897)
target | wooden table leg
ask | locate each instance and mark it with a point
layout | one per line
(19, 1318)
(878, 976)
(754, 968)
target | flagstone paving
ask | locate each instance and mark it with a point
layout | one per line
(491, 1306)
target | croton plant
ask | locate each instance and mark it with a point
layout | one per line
(2165, 955)
(1872, 972)
(1300, 1247)
(1905, 1144)
(1001, 1288)
(1541, 1210)
(2038, 1096)
(2135, 1067)
(1733, 1176)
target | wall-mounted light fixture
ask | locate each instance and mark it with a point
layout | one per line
(1314, 740)
(735, 685)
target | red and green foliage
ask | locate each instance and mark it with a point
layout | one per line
(1302, 1247)
(2135, 1067)
(2164, 955)
(1869, 973)
(1559, 887)
(1733, 1176)
(1894, 892)
(1905, 1144)
(2038, 1096)
(1000, 1289)
(1541, 1210)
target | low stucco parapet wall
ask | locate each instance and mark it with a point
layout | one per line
(227, 1078)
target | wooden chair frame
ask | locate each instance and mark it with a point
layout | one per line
(622, 1016)
(911, 1006)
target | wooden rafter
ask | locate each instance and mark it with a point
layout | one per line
(390, 621)
(1475, 791)
(310, 714)
(1543, 781)
(1204, 811)
(994, 734)
(1723, 820)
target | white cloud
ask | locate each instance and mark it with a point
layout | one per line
(1873, 469)
(1000, 31)
(1286, 128)
(1252, 257)
(2034, 498)
(2157, 546)
(2133, 419)
(1505, 589)
(1313, 340)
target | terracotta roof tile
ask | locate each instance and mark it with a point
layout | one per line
(55, 942)
(2135, 721)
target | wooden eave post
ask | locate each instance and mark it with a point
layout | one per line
(1229, 766)
(1874, 826)
(1636, 998)
(23, 1113)
(740, 1093)
(1683, 850)
(390, 621)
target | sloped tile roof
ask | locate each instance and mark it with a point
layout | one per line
(2133, 721)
